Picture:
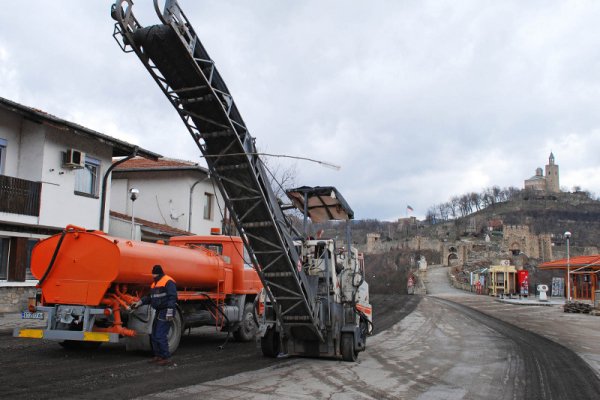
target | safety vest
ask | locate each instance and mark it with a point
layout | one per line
(158, 293)
(162, 282)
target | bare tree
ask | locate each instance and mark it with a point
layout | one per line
(461, 206)
(475, 200)
(454, 206)
(513, 193)
(486, 199)
(465, 205)
(431, 216)
(443, 210)
(496, 193)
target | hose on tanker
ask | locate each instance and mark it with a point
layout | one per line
(145, 321)
(43, 278)
(217, 309)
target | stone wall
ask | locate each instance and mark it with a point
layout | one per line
(376, 245)
(455, 253)
(15, 299)
(373, 243)
(545, 245)
(519, 237)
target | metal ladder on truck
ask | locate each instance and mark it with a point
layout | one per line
(176, 59)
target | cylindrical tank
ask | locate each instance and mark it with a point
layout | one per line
(88, 263)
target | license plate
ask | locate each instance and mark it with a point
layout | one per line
(32, 315)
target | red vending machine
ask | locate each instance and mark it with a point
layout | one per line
(523, 282)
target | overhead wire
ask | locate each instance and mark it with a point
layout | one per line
(323, 163)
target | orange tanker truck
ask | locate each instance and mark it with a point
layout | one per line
(88, 281)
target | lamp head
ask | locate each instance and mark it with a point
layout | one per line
(134, 194)
(567, 235)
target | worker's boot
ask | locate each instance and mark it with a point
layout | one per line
(155, 359)
(165, 362)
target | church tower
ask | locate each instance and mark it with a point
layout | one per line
(552, 182)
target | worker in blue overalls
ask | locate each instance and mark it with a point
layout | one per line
(163, 298)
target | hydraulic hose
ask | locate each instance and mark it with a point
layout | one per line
(145, 321)
(217, 309)
(62, 236)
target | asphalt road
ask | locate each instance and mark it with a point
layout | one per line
(424, 347)
(33, 369)
(543, 369)
(440, 351)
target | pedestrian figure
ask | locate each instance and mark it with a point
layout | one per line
(163, 298)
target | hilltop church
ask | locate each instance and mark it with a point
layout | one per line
(549, 182)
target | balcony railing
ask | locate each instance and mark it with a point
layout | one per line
(19, 196)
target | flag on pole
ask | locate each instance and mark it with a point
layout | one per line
(409, 208)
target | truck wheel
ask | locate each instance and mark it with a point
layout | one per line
(269, 344)
(247, 330)
(174, 336)
(348, 352)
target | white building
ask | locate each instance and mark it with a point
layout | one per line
(174, 197)
(51, 175)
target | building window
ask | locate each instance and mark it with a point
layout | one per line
(86, 179)
(3, 143)
(4, 244)
(208, 205)
(30, 245)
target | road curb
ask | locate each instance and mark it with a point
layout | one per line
(528, 303)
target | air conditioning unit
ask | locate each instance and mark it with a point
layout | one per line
(73, 159)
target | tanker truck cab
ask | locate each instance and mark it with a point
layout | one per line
(88, 281)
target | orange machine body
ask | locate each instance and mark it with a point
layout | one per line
(89, 263)
(245, 279)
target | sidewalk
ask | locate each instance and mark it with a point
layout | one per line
(9, 321)
(533, 301)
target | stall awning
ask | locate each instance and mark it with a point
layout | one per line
(593, 262)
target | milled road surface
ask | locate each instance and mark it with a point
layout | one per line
(432, 347)
(431, 354)
(578, 332)
(34, 369)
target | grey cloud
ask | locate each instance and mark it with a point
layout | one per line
(417, 100)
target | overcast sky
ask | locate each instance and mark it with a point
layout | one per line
(417, 101)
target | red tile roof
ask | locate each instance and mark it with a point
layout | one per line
(139, 163)
(574, 262)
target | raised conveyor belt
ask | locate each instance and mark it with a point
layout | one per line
(183, 69)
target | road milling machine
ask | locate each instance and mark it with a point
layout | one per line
(316, 300)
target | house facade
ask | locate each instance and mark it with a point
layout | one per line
(170, 193)
(51, 175)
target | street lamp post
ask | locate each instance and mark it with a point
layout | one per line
(568, 237)
(133, 195)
